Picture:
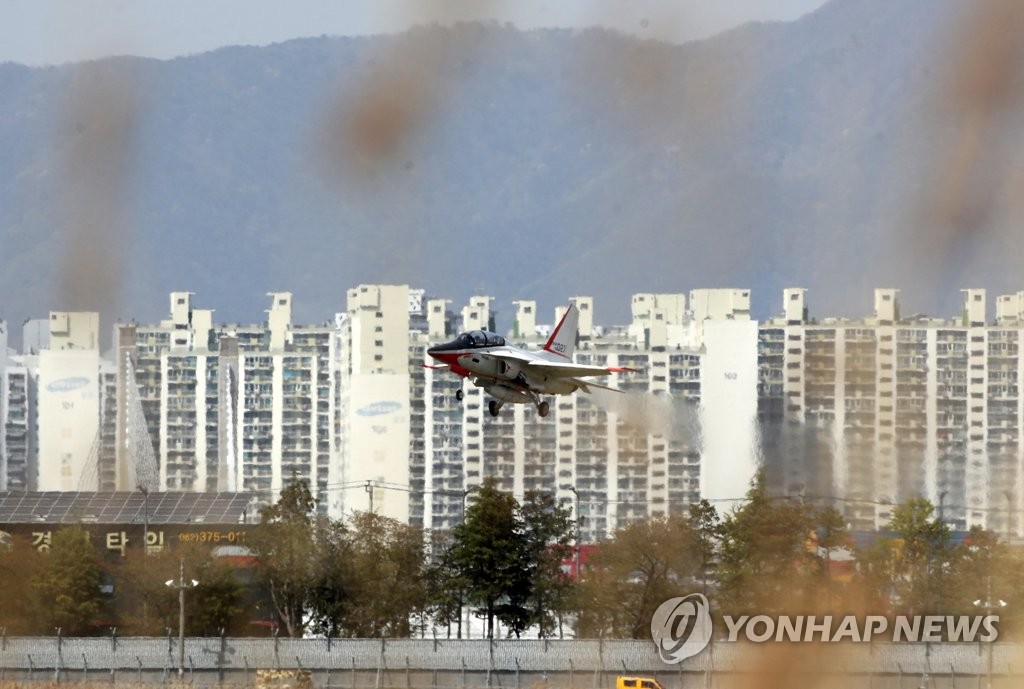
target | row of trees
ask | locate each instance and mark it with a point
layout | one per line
(368, 576)
(777, 557)
(74, 589)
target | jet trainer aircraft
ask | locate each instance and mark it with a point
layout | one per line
(511, 374)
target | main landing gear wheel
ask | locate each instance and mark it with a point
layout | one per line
(459, 394)
(494, 407)
(543, 408)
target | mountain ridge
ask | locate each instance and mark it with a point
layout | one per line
(485, 160)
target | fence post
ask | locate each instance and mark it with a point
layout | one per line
(222, 660)
(353, 672)
(31, 666)
(572, 669)
(490, 659)
(140, 668)
(407, 684)
(517, 673)
(277, 658)
(245, 661)
(85, 668)
(60, 658)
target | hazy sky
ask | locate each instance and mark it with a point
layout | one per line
(39, 32)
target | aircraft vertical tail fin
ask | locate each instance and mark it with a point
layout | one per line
(562, 342)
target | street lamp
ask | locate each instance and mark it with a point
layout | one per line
(181, 584)
(988, 604)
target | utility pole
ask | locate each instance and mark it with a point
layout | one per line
(369, 490)
(181, 585)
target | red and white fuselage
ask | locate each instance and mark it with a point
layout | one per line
(510, 374)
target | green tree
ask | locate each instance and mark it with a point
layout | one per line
(67, 586)
(332, 587)
(765, 565)
(707, 528)
(216, 604)
(387, 586)
(984, 574)
(145, 605)
(284, 545)
(631, 574)
(19, 564)
(445, 590)
(488, 551)
(831, 534)
(905, 571)
(548, 531)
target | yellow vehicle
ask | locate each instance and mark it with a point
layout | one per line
(624, 682)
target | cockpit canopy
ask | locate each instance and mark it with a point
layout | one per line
(480, 338)
(474, 339)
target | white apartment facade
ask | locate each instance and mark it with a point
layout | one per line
(230, 407)
(868, 413)
(859, 413)
(613, 458)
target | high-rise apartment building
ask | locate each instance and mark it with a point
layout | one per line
(867, 413)
(55, 403)
(859, 413)
(228, 407)
(614, 457)
(375, 397)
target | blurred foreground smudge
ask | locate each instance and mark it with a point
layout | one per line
(94, 183)
(975, 190)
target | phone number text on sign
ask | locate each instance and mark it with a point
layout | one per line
(212, 537)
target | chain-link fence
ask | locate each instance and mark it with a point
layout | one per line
(461, 664)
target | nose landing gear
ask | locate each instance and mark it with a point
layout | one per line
(459, 394)
(494, 406)
(543, 408)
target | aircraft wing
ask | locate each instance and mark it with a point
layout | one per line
(585, 385)
(570, 370)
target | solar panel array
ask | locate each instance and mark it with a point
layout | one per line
(124, 507)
